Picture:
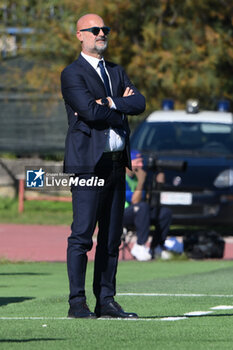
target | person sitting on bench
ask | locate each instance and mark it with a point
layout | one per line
(139, 214)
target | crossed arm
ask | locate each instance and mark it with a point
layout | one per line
(128, 92)
(76, 93)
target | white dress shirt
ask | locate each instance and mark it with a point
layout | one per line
(115, 142)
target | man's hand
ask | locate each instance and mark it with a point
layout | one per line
(128, 92)
(141, 175)
(109, 100)
(160, 178)
(137, 195)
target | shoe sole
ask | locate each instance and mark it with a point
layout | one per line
(110, 316)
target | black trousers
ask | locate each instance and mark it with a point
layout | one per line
(105, 205)
(142, 216)
(138, 215)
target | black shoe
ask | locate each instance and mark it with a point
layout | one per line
(80, 310)
(113, 309)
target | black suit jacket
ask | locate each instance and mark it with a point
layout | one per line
(88, 121)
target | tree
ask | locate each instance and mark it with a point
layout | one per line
(170, 48)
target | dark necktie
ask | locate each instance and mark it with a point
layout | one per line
(108, 91)
(105, 78)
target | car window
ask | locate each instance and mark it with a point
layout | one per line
(180, 136)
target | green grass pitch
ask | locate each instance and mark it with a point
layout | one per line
(33, 300)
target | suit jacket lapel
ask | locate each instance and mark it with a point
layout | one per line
(114, 78)
(91, 71)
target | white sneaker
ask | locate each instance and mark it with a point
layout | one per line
(166, 255)
(140, 252)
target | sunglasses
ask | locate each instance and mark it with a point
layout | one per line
(96, 30)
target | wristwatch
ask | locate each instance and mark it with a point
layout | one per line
(105, 102)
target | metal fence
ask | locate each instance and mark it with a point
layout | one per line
(32, 124)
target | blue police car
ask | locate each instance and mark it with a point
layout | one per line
(195, 151)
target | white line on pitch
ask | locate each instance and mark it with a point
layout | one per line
(222, 307)
(99, 319)
(178, 318)
(34, 318)
(175, 295)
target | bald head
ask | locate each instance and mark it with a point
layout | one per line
(89, 20)
(92, 44)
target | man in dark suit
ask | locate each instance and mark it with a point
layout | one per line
(98, 95)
